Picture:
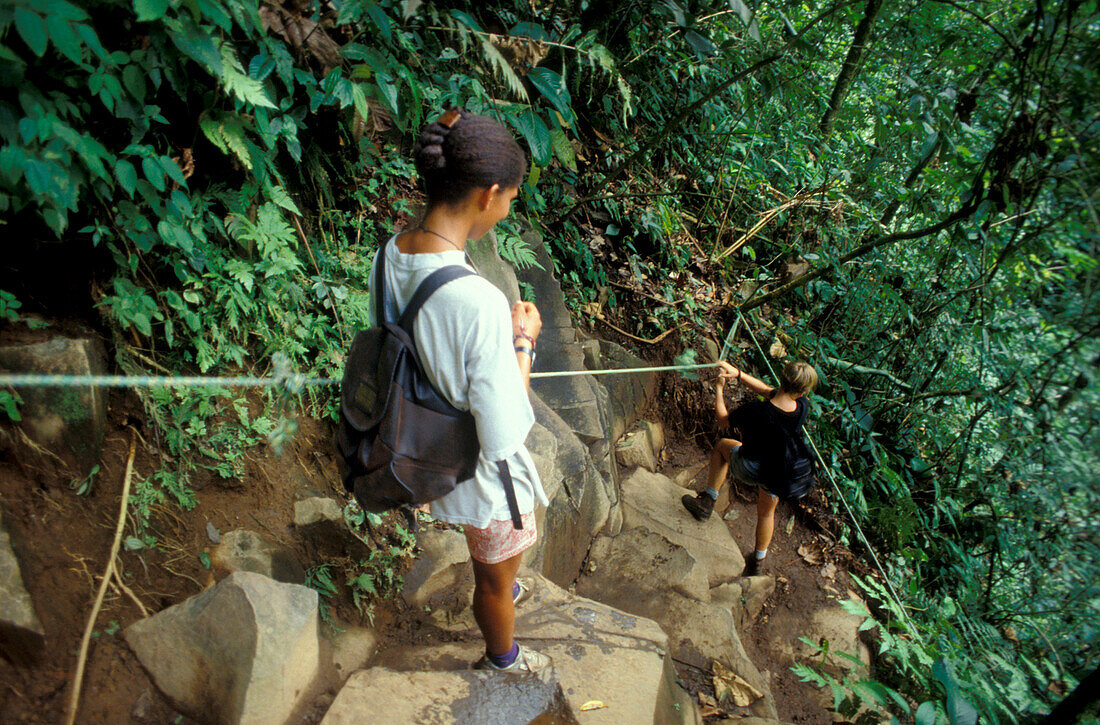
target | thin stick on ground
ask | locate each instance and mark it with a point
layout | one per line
(123, 589)
(81, 660)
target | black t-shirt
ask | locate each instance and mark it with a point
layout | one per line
(764, 431)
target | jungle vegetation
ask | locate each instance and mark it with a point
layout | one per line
(902, 191)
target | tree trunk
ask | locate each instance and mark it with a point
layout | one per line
(1084, 695)
(851, 66)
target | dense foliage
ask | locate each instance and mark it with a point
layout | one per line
(902, 192)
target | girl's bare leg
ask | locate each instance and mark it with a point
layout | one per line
(765, 518)
(493, 608)
(720, 463)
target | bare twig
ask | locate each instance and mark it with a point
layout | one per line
(121, 586)
(78, 678)
(654, 341)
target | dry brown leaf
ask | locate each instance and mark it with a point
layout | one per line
(810, 556)
(728, 684)
(829, 570)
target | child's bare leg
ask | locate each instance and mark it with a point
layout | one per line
(765, 519)
(719, 466)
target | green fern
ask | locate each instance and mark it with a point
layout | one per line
(238, 83)
(227, 132)
(515, 250)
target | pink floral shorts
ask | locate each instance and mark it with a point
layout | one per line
(500, 541)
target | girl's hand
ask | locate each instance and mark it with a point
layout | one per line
(526, 321)
(727, 371)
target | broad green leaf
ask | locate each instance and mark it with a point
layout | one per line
(134, 79)
(466, 20)
(63, 37)
(702, 45)
(536, 134)
(926, 714)
(173, 170)
(150, 9)
(195, 43)
(378, 17)
(32, 29)
(529, 30)
(551, 85)
(153, 172)
(563, 150)
(62, 9)
(127, 176)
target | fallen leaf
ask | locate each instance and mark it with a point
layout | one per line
(711, 711)
(728, 684)
(592, 705)
(810, 556)
(829, 570)
(790, 525)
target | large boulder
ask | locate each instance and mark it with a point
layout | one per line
(21, 634)
(70, 422)
(639, 565)
(652, 501)
(439, 564)
(387, 697)
(243, 651)
(834, 624)
(244, 550)
(635, 451)
(628, 394)
(576, 397)
(599, 653)
(744, 598)
(645, 574)
(580, 498)
(485, 254)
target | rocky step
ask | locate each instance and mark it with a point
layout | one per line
(610, 667)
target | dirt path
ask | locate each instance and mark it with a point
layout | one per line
(62, 541)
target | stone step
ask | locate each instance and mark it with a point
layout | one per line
(600, 654)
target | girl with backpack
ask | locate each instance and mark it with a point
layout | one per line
(476, 350)
(770, 437)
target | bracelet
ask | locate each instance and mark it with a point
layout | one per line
(523, 334)
(530, 352)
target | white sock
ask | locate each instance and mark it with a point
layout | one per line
(760, 554)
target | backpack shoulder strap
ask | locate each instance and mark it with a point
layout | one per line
(427, 288)
(379, 283)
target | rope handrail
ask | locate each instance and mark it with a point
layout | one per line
(836, 487)
(37, 380)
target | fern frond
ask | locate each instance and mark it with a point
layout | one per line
(515, 250)
(239, 83)
(273, 234)
(227, 132)
(501, 68)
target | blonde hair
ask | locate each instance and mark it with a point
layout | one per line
(798, 378)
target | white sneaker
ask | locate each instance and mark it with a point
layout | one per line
(528, 661)
(526, 589)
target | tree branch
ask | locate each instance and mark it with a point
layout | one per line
(859, 251)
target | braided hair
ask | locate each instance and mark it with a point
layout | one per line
(463, 151)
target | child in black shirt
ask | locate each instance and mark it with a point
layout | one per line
(757, 455)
